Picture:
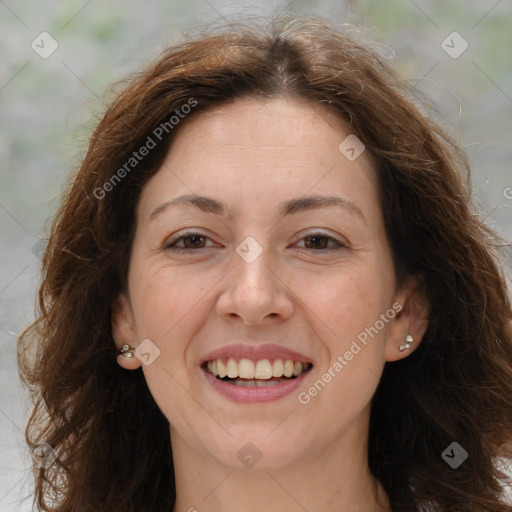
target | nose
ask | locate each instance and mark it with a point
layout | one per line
(255, 292)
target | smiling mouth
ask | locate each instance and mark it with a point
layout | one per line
(252, 374)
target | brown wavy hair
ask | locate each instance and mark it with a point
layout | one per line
(112, 441)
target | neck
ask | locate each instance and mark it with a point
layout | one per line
(335, 478)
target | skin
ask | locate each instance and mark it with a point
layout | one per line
(253, 154)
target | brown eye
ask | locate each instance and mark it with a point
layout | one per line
(319, 241)
(189, 241)
(193, 241)
(316, 242)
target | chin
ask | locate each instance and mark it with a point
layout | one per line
(258, 447)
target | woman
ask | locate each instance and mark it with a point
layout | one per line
(267, 289)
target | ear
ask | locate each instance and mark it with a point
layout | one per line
(412, 319)
(123, 332)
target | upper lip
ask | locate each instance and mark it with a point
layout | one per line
(256, 353)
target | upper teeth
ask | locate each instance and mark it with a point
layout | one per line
(262, 369)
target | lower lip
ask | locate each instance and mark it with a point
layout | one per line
(245, 395)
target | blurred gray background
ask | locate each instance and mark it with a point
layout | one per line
(48, 105)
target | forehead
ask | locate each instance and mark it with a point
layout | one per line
(263, 123)
(252, 149)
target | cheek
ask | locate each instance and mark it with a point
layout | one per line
(163, 298)
(360, 312)
(169, 305)
(347, 381)
(348, 302)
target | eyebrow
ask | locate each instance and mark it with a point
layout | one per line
(292, 206)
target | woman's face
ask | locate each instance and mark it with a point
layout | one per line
(276, 252)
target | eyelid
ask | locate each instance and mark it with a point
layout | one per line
(183, 234)
(339, 243)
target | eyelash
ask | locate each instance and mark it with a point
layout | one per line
(189, 234)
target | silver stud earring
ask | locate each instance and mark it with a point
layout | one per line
(126, 351)
(408, 342)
